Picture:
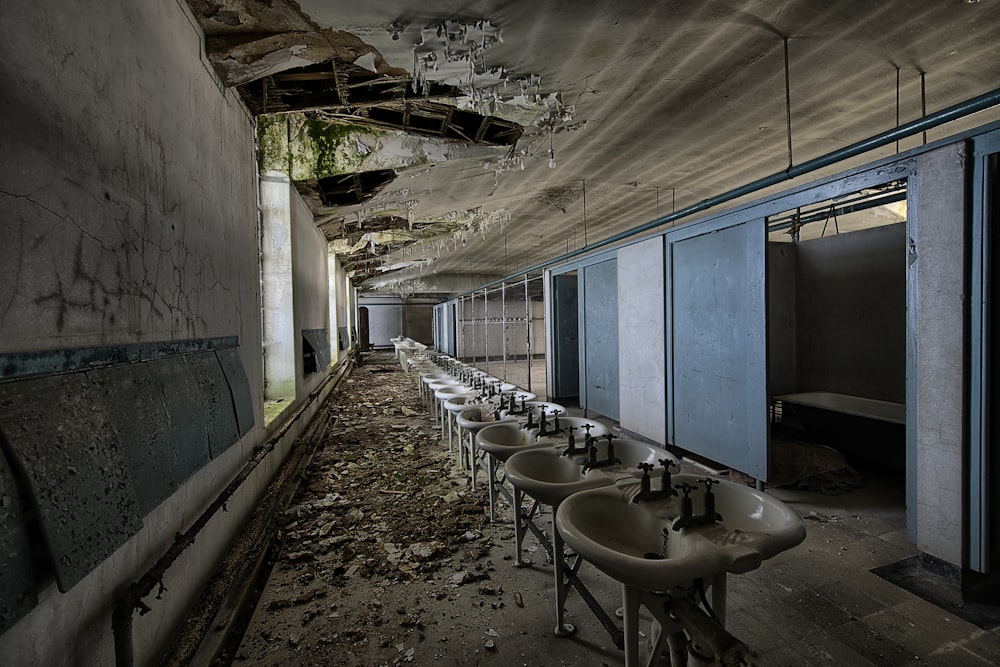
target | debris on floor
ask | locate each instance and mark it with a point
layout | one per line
(383, 528)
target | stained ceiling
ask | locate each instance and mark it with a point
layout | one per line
(441, 145)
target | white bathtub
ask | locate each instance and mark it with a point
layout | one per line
(863, 429)
(858, 406)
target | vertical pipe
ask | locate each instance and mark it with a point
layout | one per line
(459, 319)
(923, 101)
(486, 330)
(584, 213)
(897, 104)
(788, 106)
(505, 325)
(527, 328)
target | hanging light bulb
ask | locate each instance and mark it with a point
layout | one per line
(552, 154)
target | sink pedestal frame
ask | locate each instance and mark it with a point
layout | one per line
(664, 624)
(566, 575)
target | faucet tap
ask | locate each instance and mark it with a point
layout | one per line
(686, 519)
(591, 462)
(571, 443)
(666, 484)
(611, 460)
(531, 420)
(710, 516)
(555, 422)
(543, 426)
(644, 491)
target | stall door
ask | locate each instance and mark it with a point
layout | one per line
(717, 363)
(599, 344)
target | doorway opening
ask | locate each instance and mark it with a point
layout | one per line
(837, 327)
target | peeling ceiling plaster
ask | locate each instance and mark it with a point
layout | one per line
(640, 108)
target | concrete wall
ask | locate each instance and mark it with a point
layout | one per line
(338, 295)
(278, 298)
(128, 190)
(851, 313)
(939, 272)
(312, 284)
(391, 315)
(641, 339)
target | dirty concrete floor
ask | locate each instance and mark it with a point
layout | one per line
(387, 558)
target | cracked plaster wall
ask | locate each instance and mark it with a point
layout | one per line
(392, 315)
(128, 195)
(312, 284)
(278, 289)
(642, 339)
(337, 300)
(939, 274)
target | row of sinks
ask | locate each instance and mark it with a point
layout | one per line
(618, 516)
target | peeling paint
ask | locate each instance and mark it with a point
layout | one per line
(326, 147)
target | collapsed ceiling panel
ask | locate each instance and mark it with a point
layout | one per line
(347, 189)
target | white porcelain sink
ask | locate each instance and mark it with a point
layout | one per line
(626, 539)
(505, 439)
(471, 419)
(520, 397)
(538, 406)
(579, 435)
(630, 454)
(550, 477)
(450, 391)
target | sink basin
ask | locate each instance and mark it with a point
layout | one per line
(550, 408)
(459, 402)
(505, 439)
(471, 419)
(578, 423)
(545, 474)
(630, 453)
(548, 477)
(443, 393)
(626, 539)
(519, 396)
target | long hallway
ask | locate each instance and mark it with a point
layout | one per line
(387, 557)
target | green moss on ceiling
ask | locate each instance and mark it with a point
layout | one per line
(321, 148)
(317, 148)
(272, 142)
